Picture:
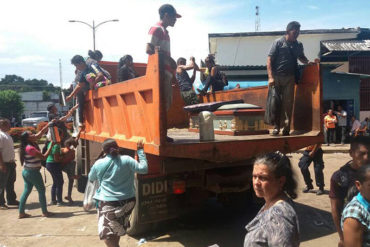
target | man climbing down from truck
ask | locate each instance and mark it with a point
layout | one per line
(87, 78)
(281, 68)
(186, 82)
(158, 36)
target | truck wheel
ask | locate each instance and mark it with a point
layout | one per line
(136, 228)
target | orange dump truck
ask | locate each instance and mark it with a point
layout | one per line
(184, 173)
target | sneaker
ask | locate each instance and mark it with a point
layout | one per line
(307, 189)
(275, 132)
(4, 207)
(320, 192)
(53, 203)
(286, 133)
(69, 199)
(61, 204)
(14, 203)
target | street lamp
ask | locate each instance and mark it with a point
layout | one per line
(93, 27)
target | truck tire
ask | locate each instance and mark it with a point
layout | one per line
(136, 228)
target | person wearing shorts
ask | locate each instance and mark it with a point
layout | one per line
(116, 194)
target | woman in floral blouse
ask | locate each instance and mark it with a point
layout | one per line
(276, 224)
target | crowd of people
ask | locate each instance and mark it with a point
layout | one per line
(276, 224)
(335, 126)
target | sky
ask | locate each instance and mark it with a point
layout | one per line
(35, 35)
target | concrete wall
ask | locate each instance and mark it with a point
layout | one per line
(32, 106)
(341, 87)
(253, 50)
(33, 102)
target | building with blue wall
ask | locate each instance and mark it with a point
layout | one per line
(340, 89)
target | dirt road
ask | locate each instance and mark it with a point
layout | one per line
(73, 227)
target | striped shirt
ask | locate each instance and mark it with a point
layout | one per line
(158, 36)
(30, 159)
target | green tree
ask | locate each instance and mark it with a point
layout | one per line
(17, 83)
(46, 96)
(11, 104)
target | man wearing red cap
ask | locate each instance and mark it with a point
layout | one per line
(158, 36)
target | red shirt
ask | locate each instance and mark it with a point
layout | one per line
(158, 36)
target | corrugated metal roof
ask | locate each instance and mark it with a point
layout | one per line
(276, 33)
(347, 45)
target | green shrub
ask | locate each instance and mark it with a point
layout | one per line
(16, 132)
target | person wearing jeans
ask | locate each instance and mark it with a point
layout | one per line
(31, 156)
(313, 153)
(55, 168)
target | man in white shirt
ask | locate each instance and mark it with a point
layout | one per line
(7, 166)
(356, 125)
(342, 122)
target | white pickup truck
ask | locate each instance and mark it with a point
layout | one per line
(36, 118)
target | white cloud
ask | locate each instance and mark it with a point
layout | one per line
(37, 60)
(39, 33)
(313, 7)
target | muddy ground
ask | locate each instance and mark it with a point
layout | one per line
(73, 227)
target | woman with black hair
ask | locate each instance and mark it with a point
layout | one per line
(31, 156)
(93, 61)
(126, 69)
(276, 224)
(116, 194)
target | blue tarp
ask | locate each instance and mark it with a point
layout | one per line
(232, 84)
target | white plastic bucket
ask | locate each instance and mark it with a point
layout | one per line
(206, 131)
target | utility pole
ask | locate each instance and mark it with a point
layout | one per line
(60, 74)
(257, 27)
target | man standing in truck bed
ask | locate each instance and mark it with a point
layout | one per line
(158, 36)
(281, 69)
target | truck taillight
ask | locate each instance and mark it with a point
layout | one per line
(178, 187)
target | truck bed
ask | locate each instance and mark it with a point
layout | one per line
(134, 109)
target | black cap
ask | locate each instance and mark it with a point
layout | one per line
(169, 9)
